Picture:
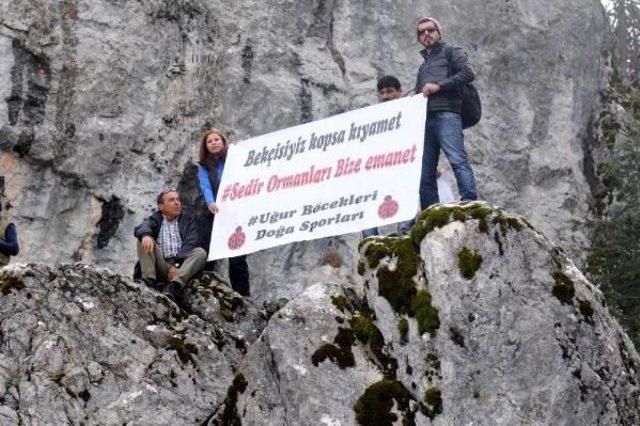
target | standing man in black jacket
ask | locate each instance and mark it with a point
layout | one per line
(443, 73)
(168, 245)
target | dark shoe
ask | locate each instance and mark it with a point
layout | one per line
(149, 282)
(173, 291)
(210, 266)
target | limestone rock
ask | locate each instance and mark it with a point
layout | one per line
(210, 297)
(310, 365)
(305, 263)
(81, 344)
(103, 101)
(474, 318)
(519, 336)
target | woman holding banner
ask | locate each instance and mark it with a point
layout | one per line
(212, 156)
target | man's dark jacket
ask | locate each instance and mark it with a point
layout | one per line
(435, 69)
(187, 225)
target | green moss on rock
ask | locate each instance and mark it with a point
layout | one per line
(374, 406)
(230, 415)
(397, 286)
(459, 214)
(469, 262)
(403, 329)
(10, 282)
(563, 289)
(506, 223)
(184, 350)
(586, 309)
(226, 314)
(375, 252)
(367, 333)
(425, 313)
(361, 267)
(438, 217)
(342, 304)
(221, 340)
(429, 220)
(478, 211)
(433, 400)
(483, 226)
(340, 353)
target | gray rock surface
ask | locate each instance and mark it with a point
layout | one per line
(304, 264)
(501, 328)
(211, 298)
(285, 386)
(474, 318)
(103, 102)
(523, 338)
(81, 344)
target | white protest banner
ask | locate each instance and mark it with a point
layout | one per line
(345, 173)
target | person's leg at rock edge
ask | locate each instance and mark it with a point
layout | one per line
(152, 265)
(404, 227)
(205, 223)
(452, 143)
(370, 232)
(430, 156)
(239, 275)
(192, 264)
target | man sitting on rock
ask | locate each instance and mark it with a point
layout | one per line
(168, 248)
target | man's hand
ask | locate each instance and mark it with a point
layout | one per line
(430, 89)
(147, 244)
(171, 272)
(213, 208)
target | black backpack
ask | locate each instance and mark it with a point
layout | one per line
(471, 106)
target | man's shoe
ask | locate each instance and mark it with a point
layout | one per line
(149, 282)
(173, 291)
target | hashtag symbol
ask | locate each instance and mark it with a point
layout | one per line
(253, 220)
(225, 194)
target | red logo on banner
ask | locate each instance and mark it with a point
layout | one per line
(236, 240)
(388, 208)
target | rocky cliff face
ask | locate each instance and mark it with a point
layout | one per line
(80, 344)
(103, 102)
(486, 322)
(475, 318)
